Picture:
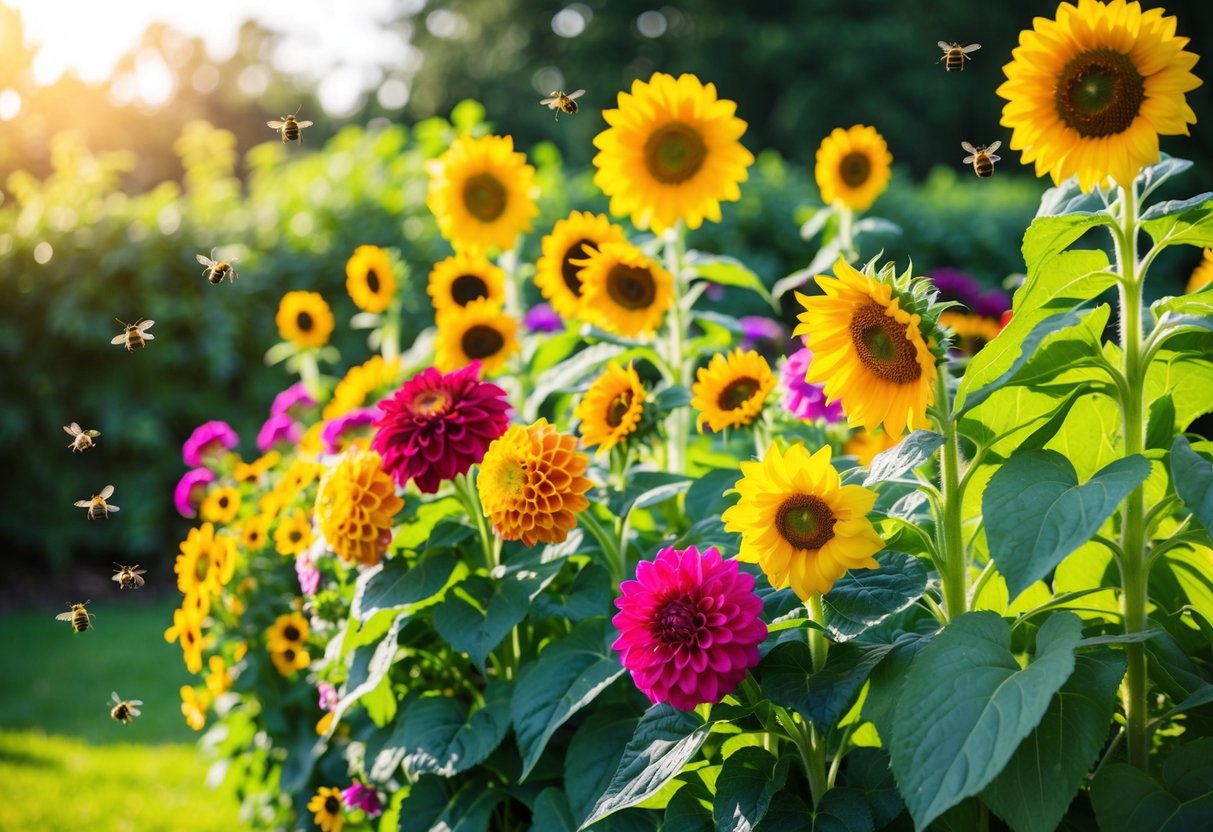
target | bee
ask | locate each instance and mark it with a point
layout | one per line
(78, 615)
(289, 129)
(128, 576)
(134, 335)
(124, 710)
(561, 102)
(83, 439)
(215, 271)
(97, 506)
(955, 55)
(982, 158)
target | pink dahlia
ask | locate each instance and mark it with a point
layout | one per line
(291, 400)
(338, 431)
(188, 494)
(437, 426)
(208, 442)
(802, 399)
(689, 627)
(360, 796)
(279, 428)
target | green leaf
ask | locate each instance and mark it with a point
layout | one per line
(1175, 206)
(840, 810)
(437, 735)
(1033, 792)
(887, 679)
(1192, 475)
(903, 457)
(448, 534)
(788, 679)
(1040, 437)
(706, 498)
(867, 770)
(566, 677)
(593, 755)
(1160, 428)
(395, 585)
(689, 810)
(863, 598)
(1188, 223)
(368, 666)
(729, 271)
(1047, 237)
(821, 263)
(1129, 800)
(967, 705)
(748, 780)
(1195, 303)
(671, 397)
(1154, 175)
(567, 374)
(647, 488)
(1068, 198)
(551, 812)
(1036, 513)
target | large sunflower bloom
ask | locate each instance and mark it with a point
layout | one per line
(462, 278)
(355, 506)
(799, 523)
(611, 409)
(624, 291)
(1089, 93)
(730, 392)
(370, 279)
(478, 332)
(853, 167)
(868, 351)
(206, 561)
(304, 319)
(480, 193)
(571, 239)
(672, 152)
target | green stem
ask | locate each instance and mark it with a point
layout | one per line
(814, 757)
(678, 422)
(465, 490)
(615, 559)
(389, 334)
(951, 542)
(819, 645)
(846, 232)
(309, 374)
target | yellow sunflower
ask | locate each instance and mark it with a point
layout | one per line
(288, 630)
(480, 193)
(361, 382)
(326, 805)
(462, 278)
(255, 533)
(194, 706)
(853, 167)
(254, 472)
(293, 535)
(370, 278)
(355, 506)
(970, 332)
(478, 332)
(220, 506)
(799, 523)
(219, 680)
(304, 319)
(611, 409)
(865, 445)
(623, 291)
(868, 351)
(730, 392)
(572, 238)
(187, 631)
(206, 561)
(1089, 93)
(531, 484)
(288, 660)
(672, 152)
(1202, 275)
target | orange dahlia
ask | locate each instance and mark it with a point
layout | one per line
(355, 506)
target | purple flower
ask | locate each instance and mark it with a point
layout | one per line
(309, 575)
(187, 496)
(802, 399)
(714, 292)
(359, 796)
(290, 399)
(208, 442)
(756, 328)
(992, 304)
(278, 428)
(328, 696)
(954, 284)
(335, 431)
(543, 318)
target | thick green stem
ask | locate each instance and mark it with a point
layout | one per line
(678, 422)
(951, 536)
(309, 374)
(819, 646)
(813, 742)
(846, 232)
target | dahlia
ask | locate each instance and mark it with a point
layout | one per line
(355, 507)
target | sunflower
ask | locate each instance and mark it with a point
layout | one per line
(360, 384)
(288, 630)
(572, 238)
(206, 561)
(370, 278)
(1202, 275)
(478, 332)
(304, 319)
(221, 505)
(799, 523)
(730, 392)
(194, 706)
(1089, 93)
(623, 291)
(853, 167)
(672, 152)
(187, 631)
(219, 680)
(290, 659)
(251, 473)
(255, 533)
(293, 535)
(326, 804)
(355, 506)
(462, 278)
(611, 409)
(480, 193)
(868, 350)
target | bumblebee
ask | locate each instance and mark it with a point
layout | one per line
(97, 505)
(82, 440)
(563, 103)
(982, 158)
(290, 129)
(128, 576)
(134, 335)
(215, 271)
(124, 710)
(955, 55)
(78, 615)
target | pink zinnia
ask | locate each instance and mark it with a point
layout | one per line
(208, 441)
(437, 426)
(309, 575)
(187, 496)
(336, 430)
(689, 627)
(328, 696)
(802, 399)
(292, 398)
(359, 796)
(278, 428)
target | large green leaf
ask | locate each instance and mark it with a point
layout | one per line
(729, 271)
(867, 770)
(567, 374)
(887, 679)
(841, 810)
(1188, 223)
(1049, 236)
(647, 488)
(821, 698)
(967, 705)
(705, 497)
(749, 779)
(1192, 475)
(1186, 374)
(368, 666)
(551, 812)
(437, 735)
(396, 585)
(593, 755)
(1129, 800)
(903, 457)
(863, 598)
(689, 810)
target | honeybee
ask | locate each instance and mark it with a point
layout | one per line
(124, 710)
(955, 55)
(83, 439)
(97, 506)
(134, 335)
(982, 158)
(78, 615)
(128, 576)
(289, 129)
(215, 271)
(561, 102)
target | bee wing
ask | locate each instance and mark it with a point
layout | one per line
(147, 336)
(994, 158)
(577, 94)
(83, 503)
(106, 492)
(277, 125)
(131, 705)
(143, 326)
(117, 577)
(972, 47)
(303, 124)
(117, 698)
(93, 433)
(64, 616)
(138, 581)
(548, 101)
(968, 147)
(944, 45)
(111, 507)
(993, 147)
(204, 260)
(118, 339)
(72, 430)
(968, 160)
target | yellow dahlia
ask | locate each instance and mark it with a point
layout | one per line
(868, 351)
(220, 506)
(1202, 275)
(478, 332)
(730, 392)
(370, 278)
(480, 193)
(611, 409)
(853, 167)
(531, 484)
(361, 382)
(799, 523)
(355, 506)
(304, 319)
(1089, 93)
(624, 291)
(462, 278)
(293, 535)
(672, 152)
(206, 561)
(571, 239)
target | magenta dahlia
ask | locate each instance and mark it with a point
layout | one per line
(437, 426)
(689, 627)
(801, 398)
(208, 442)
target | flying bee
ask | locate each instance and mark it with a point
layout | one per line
(128, 576)
(215, 271)
(78, 615)
(124, 710)
(563, 103)
(955, 55)
(82, 439)
(982, 158)
(134, 335)
(97, 506)
(290, 129)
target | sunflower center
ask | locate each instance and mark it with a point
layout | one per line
(568, 270)
(304, 321)
(223, 501)
(484, 197)
(481, 341)
(805, 521)
(290, 632)
(295, 535)
(619, 408)
(1099, 93)
(737, 392)
(678, 622)
(429, 402)
(332, 805)
(202, 566)
(882, 345)
(631, 287)
(289, 654)
(467, 288)
(855, 168)
(674, 153)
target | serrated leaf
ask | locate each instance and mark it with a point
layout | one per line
(593, 755)
(840, 810)
(396, 585)
(903, 457)
(863, 598)
(1160, 427)
(436, 734)
(1174, 206)
(1047, 237)
(788, 679)
(1191, 226)
(748, 780)
(867, 770)
(1129, 800)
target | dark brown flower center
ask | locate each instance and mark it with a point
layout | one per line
(289, 654)
(481, 341)
(855, 168)
(467, 288)
(295, 535)
(678, 622)
(429, 402)
(568, 270)
(1099, 93)
(484, 197)
(631, 287)
(223, 502)
(674, 153)
(882, 345)
(737, 392)
(619, 408)
(332, 805)
(805, 521)
(372, 281)
(290, 632)
(304, 321)
(202, 566)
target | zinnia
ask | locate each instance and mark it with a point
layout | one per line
(360, 796)
(188, 494)
(208, 441)
(278, 428)
(801, 398)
